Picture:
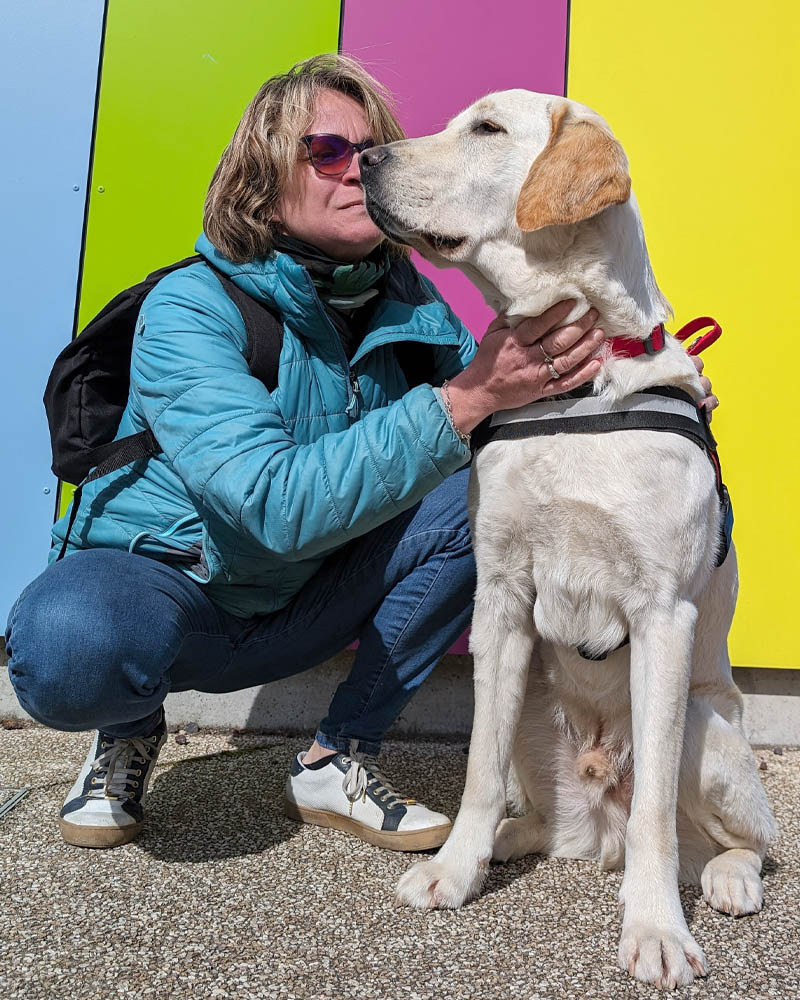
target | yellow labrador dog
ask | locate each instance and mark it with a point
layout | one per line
(581, 541)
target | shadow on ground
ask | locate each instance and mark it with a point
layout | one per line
(226, 805)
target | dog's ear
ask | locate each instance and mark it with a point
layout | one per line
(581, 171)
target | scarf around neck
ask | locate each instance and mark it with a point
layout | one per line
(340, 285)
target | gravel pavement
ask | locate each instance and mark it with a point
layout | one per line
(222, 896)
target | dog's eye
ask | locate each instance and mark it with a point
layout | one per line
(487, 128)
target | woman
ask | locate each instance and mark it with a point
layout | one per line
(276, 528)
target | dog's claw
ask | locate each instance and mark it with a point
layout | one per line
(697, 965)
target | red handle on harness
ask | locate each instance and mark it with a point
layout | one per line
(695, 326)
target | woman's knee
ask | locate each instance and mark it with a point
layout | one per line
(38, 650)
(71, 657)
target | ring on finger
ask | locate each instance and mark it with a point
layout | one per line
(547, 359)
(552, 369)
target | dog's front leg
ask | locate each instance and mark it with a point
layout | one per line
(502, 643)
(656, 946)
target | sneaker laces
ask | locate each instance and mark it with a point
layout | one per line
(363, 775)
(117, 762)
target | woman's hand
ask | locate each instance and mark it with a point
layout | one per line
(710, 402)
(513, 367)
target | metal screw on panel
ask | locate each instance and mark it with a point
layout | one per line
(101, 189)
(46, 489)
(76, 187)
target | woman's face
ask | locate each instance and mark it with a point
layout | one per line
(329, 212)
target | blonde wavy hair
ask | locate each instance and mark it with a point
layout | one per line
(260, 159)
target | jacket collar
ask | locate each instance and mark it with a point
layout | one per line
(276, 280)
(407, 308)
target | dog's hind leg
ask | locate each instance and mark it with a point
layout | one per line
(723, 797)
(516, 797)
(656, 946)
(501, 642)
(720, 791)
(711, 665)
(518, 836)
(530, 793)
(732, 882)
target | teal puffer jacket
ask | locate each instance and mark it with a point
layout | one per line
(254, 489)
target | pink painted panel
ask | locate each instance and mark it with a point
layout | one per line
(438, 56)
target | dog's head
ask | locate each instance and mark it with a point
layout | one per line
(512, 163)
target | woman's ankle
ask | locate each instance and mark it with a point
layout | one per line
(317, 752)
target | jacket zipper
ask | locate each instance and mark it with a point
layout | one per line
(353, 409)
(354, 389)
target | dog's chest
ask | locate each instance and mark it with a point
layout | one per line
(591, 493)
(594, 525)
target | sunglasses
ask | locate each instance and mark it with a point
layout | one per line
(331, 155)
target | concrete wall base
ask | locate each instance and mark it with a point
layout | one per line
(442, 707)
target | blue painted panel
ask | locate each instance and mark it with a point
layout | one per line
(49, 52)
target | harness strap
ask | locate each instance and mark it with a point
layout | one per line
(659, 408)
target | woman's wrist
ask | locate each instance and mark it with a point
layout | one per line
(466, 406)
(463, 436)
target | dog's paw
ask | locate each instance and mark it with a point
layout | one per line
(517, 837)
(732, 886)
(435, 884)
(667, 958)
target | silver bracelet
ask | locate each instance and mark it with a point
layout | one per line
(448, 409)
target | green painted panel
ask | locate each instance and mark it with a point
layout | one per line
(177, 76)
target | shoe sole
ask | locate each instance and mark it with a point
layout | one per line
(393, 840)
(98, 836)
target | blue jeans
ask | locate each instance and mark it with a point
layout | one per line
(100, 638)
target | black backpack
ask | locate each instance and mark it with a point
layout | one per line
(87, 390)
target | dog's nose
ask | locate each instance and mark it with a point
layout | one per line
(373, 156)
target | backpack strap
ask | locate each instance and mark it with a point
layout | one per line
(111, 456)
(264, 329)
(416, 361)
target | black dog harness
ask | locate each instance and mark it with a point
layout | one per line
(658, 408)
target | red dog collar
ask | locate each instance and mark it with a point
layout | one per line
(628, 347)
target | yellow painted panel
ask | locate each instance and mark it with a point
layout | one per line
(704, 97)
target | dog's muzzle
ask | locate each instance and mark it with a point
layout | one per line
(374, 184)
(370, 162)
(372, 157)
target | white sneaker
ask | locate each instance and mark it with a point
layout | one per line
(348, 792)
(105, 806)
